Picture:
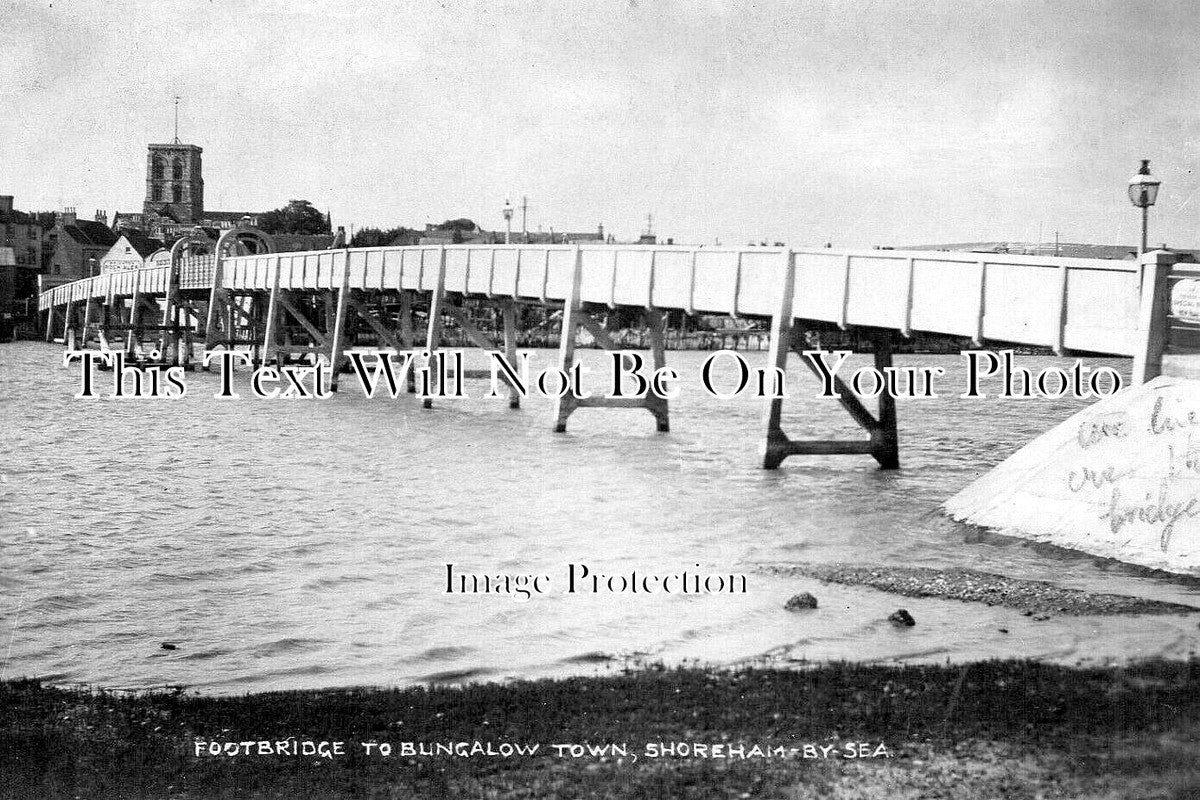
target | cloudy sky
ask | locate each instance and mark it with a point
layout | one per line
(856, 123)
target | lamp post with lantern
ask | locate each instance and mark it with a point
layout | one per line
(1143, 191)
(508, 215)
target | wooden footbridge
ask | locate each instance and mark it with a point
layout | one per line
(278, 306)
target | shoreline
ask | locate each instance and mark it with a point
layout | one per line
(974, 586)
(985, 729)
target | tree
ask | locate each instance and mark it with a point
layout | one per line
(374, 237)
(298, 216)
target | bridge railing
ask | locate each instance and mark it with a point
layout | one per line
(196, 272)
(1063, 303)
(1083, 304)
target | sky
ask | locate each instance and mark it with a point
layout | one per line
(853, 123)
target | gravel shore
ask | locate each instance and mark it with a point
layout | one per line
(1032, 597)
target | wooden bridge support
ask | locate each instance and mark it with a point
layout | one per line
(576, 316)
(139, 308)
(284, 313)
(433, 335)
(883, 444)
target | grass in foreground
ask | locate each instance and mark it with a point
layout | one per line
(990, 729)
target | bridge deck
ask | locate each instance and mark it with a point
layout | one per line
(1064, 303)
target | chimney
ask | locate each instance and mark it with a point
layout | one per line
(6, 203)
(102, 217)
(67, 216)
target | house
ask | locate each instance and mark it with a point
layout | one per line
(22, 233)
(130, 251)
(8, 279)
(79, 245)
(457, 231)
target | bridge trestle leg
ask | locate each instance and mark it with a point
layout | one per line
(106, 315)
(270, 349)
(433, 339)
(168, 343)
(407, 337)
(69, 325)
(89, 316)
(575, 316)
(481, 340)
(135, 316)
(509, 313)
(338, 333)
(883, 444)
(141, 306)
(286, 303)
(217, 319)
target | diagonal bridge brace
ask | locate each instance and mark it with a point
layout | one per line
(883, 443)
(575, 316)
(440, 306)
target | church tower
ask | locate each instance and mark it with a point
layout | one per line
(174, 184)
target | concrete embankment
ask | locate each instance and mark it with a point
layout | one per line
(1120, 479)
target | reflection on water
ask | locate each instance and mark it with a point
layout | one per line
(302, 543)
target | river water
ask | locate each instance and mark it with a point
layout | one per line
(295, 543)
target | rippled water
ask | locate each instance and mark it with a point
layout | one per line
(296, 543)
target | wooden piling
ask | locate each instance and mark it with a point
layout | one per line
(437, 304)
(774, 442)
(510, 348)
(337, 337)
(567, 402)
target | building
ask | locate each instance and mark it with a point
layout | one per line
(463, 231)
(174, 182)
(1063, 249)
(130, 251)
(79, 245)
(23, 233)
(8, 280)
(174, 201)
(594, 237)
(457, 231)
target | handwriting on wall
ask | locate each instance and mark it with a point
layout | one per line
(1141, 466)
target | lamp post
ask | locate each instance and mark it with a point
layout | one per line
(1143, 191)
(508, 215)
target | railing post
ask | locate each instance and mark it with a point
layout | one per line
(1152, 316)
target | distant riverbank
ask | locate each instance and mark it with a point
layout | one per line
(1015, 729)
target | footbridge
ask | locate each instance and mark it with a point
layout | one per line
(280, 306)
